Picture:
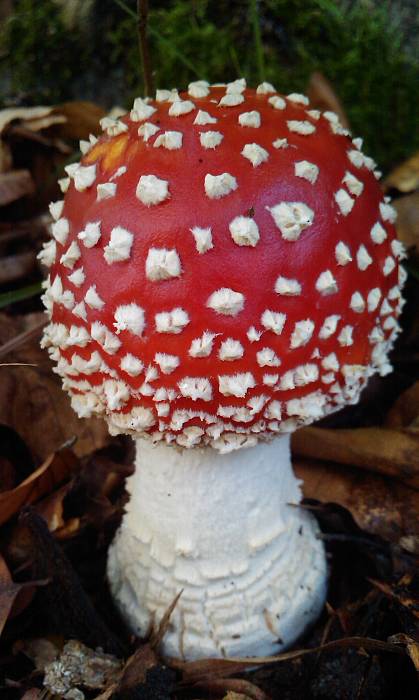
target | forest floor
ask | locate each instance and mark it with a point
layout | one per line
(62, 494)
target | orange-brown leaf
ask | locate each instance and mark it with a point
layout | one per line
(405, 411)
(81, 119)
(405, 177)
(54, 470)
(378, 505)
(408, 219)
(323, 96)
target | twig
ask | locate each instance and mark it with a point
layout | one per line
(21, 339)
(142, 12)
(255, 20)
(18, 364)
(168, 45)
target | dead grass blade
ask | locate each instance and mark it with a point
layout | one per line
(157, 636)
(197, 671)
(403, 597)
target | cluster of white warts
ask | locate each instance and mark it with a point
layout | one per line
(291, 218)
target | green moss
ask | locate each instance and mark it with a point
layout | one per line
(360, 47)
(39, 54)
(364, 47)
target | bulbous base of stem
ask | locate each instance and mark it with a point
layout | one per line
(226, 530)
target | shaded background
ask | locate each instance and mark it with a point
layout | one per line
(56, 50)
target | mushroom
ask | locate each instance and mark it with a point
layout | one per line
(224, 270)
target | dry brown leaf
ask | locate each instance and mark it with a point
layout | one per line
(74, 120)
(14, 597)
(405, 411)
(17, 131)
(51, 509)
(405, 177)
(412, 647)
(53, 471)
(82, 119)
(14, 267)
(33, 694)
(378, 505)
(45, 122)
(33, 402)
(413, 651)
(391, 452)
(25, 114)
(17, 125)
(37, 138)
(6, 157)
(132, 678)
(14, 185)
(408, 219)
(33, 229)
(399, 593)
(322, 96)
(136, 667)
(8, 593)
(27, 332)
(238, 689)
(41, 651)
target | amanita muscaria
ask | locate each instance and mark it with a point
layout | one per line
(224, 269)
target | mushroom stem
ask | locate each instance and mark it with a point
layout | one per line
(224, 529)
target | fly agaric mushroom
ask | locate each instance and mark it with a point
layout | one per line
(224, 269)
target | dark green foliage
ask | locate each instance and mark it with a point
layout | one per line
(364, 47)
(40, 55)
(361, 48)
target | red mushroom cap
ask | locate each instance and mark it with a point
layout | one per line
(224, 268)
